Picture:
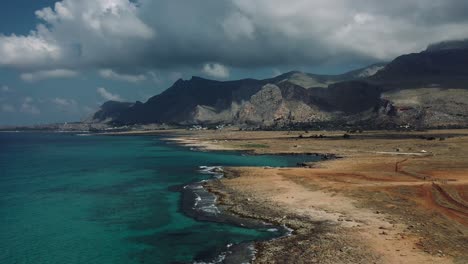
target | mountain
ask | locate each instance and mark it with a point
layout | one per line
(201, 100)
(448, 45)
(438, 66)
(426, 89)
(310, 80)
(177, 104)
(111, 110)
(430, 88)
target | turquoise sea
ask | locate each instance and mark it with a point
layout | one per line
(99, 199)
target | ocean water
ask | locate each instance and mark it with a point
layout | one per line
(99, 199)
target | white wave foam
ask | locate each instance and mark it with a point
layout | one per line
(289, 230)
(204, 200)
(84, 135)
(217, 171)
(197, 199)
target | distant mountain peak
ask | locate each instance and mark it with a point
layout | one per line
(448, 45)
(293, 72)
(179, 81)
(197, 78)
(371, 70)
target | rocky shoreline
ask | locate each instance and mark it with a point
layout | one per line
(315, 241)
(202, 204)
(377, 202)
(328, 239)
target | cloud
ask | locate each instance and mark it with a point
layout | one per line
(88, 110)
(216, 70)
(174, 76)
(28, 99)
(154, 76)
(110, 74)
(238, 26)
(65, 105)
(276, 72)
(64, 102)
(77, 33)
(5, 88)
(28, 51)
(176, 34)
(28, 107)
(8, 108)
(108, 95)
(48, 74)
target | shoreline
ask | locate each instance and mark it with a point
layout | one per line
(379, 231)
(300, 229)
(237, 211)
(198, 206)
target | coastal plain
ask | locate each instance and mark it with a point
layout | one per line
(375, 197)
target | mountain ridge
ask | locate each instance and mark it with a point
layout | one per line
(371, 95)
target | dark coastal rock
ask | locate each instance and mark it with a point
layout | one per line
(303, 164)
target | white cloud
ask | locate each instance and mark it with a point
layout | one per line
(237, 26)
(77, 33)
(110, 74)
(28, 99)
(48, 74)
(108, 95)
(276, 72)
(27, 51)
(64, 102)
(8, 108)
(154, 76)
(109, 18)
(66, 105)
(28, 107)
(362, 18)
(5, 88)
(216, 70)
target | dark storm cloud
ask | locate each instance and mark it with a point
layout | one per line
(212, 34)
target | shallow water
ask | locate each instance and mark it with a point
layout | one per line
(71, 199)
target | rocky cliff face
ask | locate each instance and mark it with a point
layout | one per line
(427, 89)
(429, 107)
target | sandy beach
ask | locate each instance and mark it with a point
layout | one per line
(389, 197)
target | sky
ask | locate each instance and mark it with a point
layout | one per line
(60, 60)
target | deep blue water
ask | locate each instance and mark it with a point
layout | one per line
(97, 199)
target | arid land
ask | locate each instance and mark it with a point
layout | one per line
(388, 197)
